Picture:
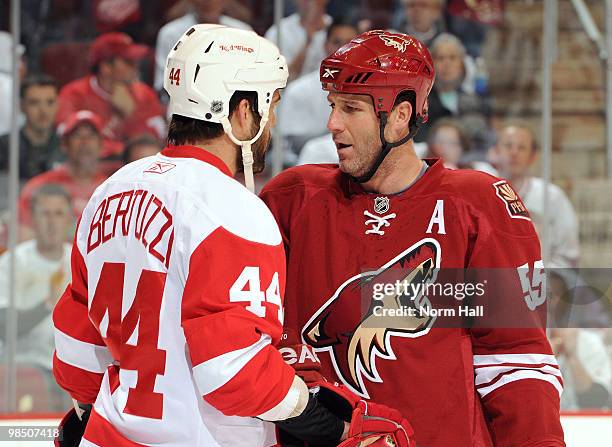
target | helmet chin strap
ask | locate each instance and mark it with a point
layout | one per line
(247, 152)
(387, 146)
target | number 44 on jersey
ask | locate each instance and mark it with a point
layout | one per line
(247, 288)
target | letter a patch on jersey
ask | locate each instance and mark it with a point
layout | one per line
(514, 205)
(160, 167)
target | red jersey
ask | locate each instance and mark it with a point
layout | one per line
(79, 191)
(86, 94)
(457, 385)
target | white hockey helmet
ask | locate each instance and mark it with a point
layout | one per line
(211, 62)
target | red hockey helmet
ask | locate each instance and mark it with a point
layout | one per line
(381, 64)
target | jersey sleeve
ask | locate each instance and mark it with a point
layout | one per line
(232, 316)
(81, 356)
(516, 374)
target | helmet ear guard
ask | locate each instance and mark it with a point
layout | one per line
(382, 65)
(209, 64)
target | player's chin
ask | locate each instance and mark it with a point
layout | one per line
(348, 168)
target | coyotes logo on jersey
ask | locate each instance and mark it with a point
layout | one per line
(346, 325)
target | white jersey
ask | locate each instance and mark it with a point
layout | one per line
(319, 150)
(174, 308)
(304, 108)
(294, 38)
(36, 278)
(593, 357)
(561, 221)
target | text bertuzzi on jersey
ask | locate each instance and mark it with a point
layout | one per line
(152, 218)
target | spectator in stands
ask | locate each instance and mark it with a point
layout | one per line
(6, 79)
(39, 144)
(514, 155)
(304, 109)
(80, 174)
(470, 21)
(43, 271)
(448, 141)
(422, 19)
(585, 365)
(201, 11)
(126, 106)
(303, 37)
(318, 150)
(451, 98)
(141, 147)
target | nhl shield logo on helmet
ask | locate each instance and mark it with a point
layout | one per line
(216, 106)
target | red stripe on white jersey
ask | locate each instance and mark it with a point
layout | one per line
(100, 432)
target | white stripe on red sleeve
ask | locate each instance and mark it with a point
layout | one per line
(514, 358)
(488, 374)
(216, 372)
(494, 371)
(522, 375)
(83, 355)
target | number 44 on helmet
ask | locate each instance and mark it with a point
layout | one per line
(209, 64)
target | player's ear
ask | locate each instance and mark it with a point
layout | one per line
(404, 113)
(399, 120)
(242, 119)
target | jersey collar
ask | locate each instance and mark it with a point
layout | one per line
(198, 154)
(435, 166)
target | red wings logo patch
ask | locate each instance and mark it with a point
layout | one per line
(514, 205)
(347, 325)
(160, 167)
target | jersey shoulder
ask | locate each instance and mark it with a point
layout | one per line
(486, 194)
(216, 197)
(472, 185)
(306, 177)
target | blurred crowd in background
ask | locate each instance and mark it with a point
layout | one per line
(92, 100)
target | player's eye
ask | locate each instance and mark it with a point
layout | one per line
(331, 104)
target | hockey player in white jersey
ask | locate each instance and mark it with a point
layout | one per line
(166, 335)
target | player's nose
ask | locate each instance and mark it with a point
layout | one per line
(334, 123)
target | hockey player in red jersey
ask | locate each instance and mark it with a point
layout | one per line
(169, 327)
(383, 214)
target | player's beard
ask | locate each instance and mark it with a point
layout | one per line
(364, 156)
(259, 149)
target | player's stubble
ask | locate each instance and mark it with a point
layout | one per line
(364, 152)
(259, 148)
